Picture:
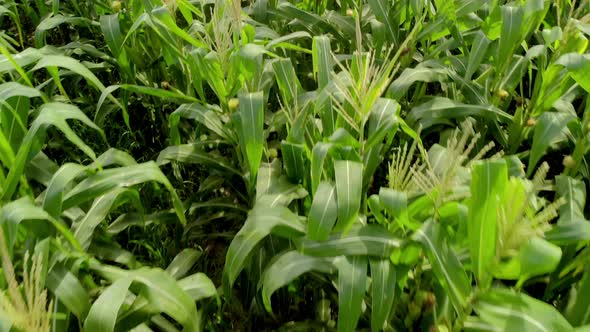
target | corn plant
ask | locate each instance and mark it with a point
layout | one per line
(294, 165)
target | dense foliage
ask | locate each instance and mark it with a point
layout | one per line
(228, 165)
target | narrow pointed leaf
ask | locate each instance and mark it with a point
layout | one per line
(103, 314)
(352, 279)
(349, 175)
(323, 212)
(252, 122)
(488, 183)
(445, 264)
(183, 262)
(383, 283)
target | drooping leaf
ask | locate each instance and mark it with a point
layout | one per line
(538, 257)
(198, 286)
(286, 268)
(201, 114)
(261, 222)
(183, 262)
(50, 114)
(550, 129)
(509, 311)
(85, 229)
(369, 240)
(195, 154)
(157, 290)
(440, 110)
(421, 73)
(121, 177)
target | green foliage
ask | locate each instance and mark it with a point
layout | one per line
(294, 165)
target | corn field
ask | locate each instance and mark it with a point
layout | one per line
(294, 165)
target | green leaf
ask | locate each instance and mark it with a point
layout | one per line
(381, 9)
(569, 233)
(288, 267)
(50, 114)
(578, 66)
(183, 262)
(488, 183)
(319, 153)
(574, 193)
(157, 290)
(395, 203)
(289, 85)
(261, 222)
(352, 280)
(109, 25)
(369, 240)
(202, 114)
(273, 188)
(512, 311)
(440, 110)
(122, 177)
(322, 60)
(323, 212)
(282, 41)
(422, 73)
(195, 154)
(383, 282)
(54, 21)
(15, 212)
(349, 181)
(15, 111)
(103, 314)
(477, 53)
(69, 64)
(445, 264)
(61, 178)
(577, 310)
(84, 230)
(101, 113)
(510, 37)
(198, 286)
(538, 257)
(69, 291)
(252, 134)
(163, 17)
(296, 161)
(383, 122)
(551, 128)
